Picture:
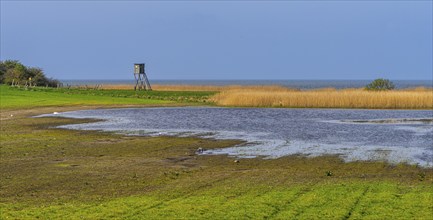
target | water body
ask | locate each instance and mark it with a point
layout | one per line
(378, 135)
(300, 84)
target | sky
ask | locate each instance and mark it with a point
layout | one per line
(321, 40)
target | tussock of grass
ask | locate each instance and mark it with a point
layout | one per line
(418, 98)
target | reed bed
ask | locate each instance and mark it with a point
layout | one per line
(328, 98)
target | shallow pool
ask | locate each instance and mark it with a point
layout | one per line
(383, 135)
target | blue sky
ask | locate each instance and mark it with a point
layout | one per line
(221, 39)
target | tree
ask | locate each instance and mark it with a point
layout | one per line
(16, 74)
(380, 85)
(14, 71)
(37, 76)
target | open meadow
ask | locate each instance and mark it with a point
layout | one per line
(54, 173)
(18, 98)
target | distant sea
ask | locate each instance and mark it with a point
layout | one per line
(301, 84)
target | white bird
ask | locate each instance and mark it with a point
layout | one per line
(55, 113)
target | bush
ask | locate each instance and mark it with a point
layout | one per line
(14, 71)
(380, 85)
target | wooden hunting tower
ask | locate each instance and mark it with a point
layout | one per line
(141, 81)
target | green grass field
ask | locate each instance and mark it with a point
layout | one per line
(322, 201)
(49, 173)
(13, 97)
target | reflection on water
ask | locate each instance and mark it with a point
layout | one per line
(385, 135)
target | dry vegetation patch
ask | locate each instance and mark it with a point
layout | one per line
(416, 98)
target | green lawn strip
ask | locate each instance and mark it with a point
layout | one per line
(208, 202)
(326, 200)
(169, 200)
(385, 200)
(20, 98)
(322, 201)
(183, 96)
(258, 203)
(13, 98)
(129, 207)
(109, 209)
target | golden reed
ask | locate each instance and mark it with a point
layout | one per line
(416, 98)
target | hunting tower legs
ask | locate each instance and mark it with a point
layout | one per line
(141, 81)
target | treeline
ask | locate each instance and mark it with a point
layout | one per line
(12, 72)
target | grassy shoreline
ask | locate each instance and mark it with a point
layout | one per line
(65, 174)
(19, 98)
(227, 96)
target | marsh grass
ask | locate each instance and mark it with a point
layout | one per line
(416, 98)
